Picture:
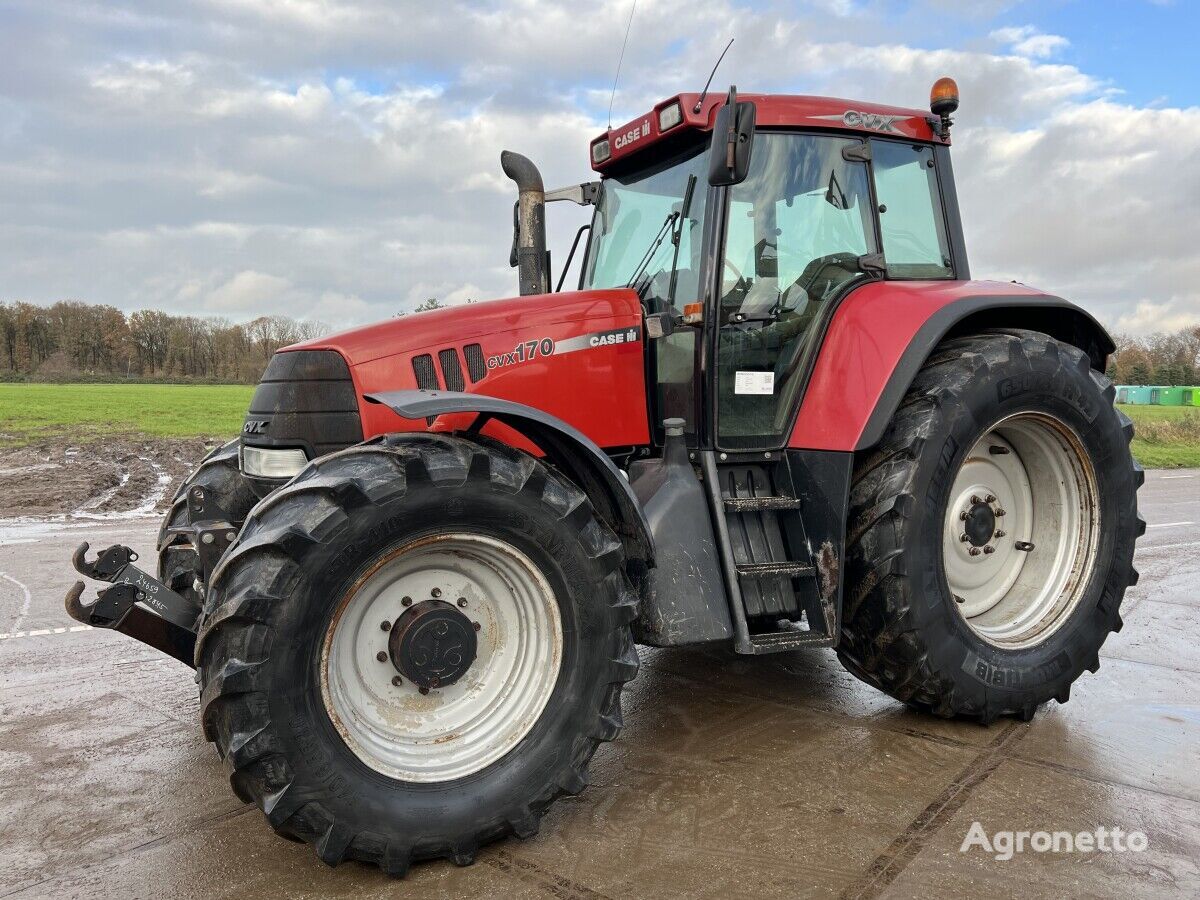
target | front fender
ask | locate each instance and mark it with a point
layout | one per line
(882, 333)
(571, 451)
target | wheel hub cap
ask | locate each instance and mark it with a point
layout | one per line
(432, 644)
(980, 524)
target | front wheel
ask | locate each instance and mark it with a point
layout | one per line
(414, 648)
(992, 530)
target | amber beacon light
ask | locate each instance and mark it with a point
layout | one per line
(943, 100)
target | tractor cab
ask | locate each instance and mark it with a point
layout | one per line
(741, 223)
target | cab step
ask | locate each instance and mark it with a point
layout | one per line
(778, 641)
(757, 504)
(785, 569)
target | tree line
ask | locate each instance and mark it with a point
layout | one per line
(72, 340)
(1165, 359)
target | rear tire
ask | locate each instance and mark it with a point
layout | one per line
(220, 475)
(1010, 638)
(295, 579)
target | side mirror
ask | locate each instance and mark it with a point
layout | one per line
(733, 136)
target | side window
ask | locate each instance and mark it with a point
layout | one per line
(910, 211)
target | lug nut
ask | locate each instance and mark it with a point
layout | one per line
(963, 515)
(475, 625)
(975, 499)
(963, 538)
(423, 690)
(437, 592)
(397, 681)
(381, 656)
(974, 551)
(1000, 512)
(1001, 534)
(433, 682)
(989, 549)
(385, 626)
(407, 601)
(230, 535)
(462, 601)
(990, 498)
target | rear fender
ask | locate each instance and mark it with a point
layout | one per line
(570, 451)
(883, 333)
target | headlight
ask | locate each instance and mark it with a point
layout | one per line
(266, 462)
(600, 151)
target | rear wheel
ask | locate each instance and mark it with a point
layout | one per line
(414, 648)
(991, 530)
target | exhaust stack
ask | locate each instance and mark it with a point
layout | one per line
(529, 225)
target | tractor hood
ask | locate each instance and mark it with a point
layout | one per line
(433, 330)
(577, 356)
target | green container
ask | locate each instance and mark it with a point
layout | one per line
(1191, 396)
(1136, 394)
(1166, 396)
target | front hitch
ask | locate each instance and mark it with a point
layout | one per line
(137, 604)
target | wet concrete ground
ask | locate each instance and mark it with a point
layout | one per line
(778, 777)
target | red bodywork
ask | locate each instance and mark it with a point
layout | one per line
(773, 111)
(871, 329)
(599, 387)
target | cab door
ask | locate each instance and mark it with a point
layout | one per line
(800, 231)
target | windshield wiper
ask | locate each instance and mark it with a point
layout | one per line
(678, 238)
(660, 235)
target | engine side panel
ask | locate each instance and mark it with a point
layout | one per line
(882, 333)
(577, 356)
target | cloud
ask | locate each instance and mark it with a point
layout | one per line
(1028, 41)
(341, 161)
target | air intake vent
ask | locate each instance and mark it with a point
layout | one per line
(427, 379)
(476, 367)
(451, 370)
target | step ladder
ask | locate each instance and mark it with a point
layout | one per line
(772, 577)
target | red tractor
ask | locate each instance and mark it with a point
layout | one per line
(776, 413)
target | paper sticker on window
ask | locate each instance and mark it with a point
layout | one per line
(754, 383)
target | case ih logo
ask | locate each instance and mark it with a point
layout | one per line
(633, 134)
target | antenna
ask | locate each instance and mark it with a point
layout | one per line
(620, 59)
(704, 93)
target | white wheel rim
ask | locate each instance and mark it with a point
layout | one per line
(1020, 585)
(461, 728)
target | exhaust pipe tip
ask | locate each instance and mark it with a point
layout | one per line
(529, 239)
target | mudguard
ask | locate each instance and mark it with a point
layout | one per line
(882, 333)
(570, 450)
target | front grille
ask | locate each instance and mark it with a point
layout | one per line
(427, 379)
(451, 370)
(476, 367)
(305, 399)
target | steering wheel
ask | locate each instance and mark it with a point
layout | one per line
(812, 271)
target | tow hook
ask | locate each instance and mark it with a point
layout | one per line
(137, 604)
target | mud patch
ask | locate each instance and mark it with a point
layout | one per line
(109, 478)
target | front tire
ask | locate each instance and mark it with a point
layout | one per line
(294, 639)
(992, 530)
(221, 476)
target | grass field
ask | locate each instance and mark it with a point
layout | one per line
(1167, 436)
(32, 411)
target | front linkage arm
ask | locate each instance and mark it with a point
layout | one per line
(140, 605)
(137, 604)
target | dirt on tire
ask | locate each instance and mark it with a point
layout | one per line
(97, 477)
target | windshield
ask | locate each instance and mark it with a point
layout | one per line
(639, 217)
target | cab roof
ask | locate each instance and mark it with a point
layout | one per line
(773, 111)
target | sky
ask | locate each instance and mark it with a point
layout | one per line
(340, 161)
